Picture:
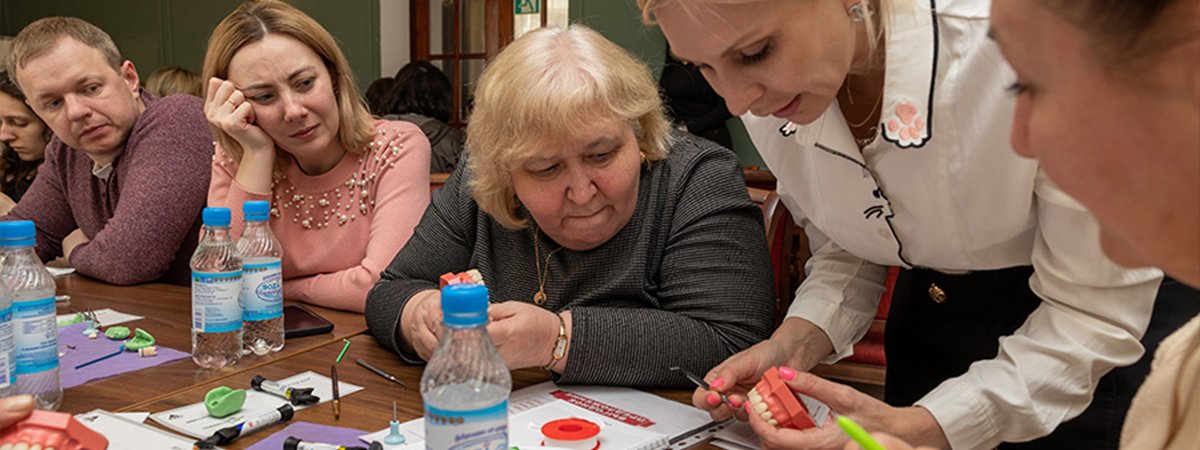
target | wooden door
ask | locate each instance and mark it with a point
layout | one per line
(458, 36)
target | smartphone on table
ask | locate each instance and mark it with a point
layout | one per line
(299, 321)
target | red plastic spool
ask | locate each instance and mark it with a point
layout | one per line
(573, 433)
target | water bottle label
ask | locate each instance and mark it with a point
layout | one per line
(262, 291)
(215, 305)
(35, 335)
(7, 368)
(477, 429)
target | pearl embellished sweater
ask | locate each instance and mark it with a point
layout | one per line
(340, 229)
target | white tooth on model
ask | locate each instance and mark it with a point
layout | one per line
(766, 415)
(757, 403)
(773, 422)
(760, 407)
(753, 394)
(7, 446)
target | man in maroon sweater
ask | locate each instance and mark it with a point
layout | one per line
(127, 169)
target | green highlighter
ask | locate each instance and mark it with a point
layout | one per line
(857, 433)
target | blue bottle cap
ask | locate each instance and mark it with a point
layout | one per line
(216, 217)
(465, 304)
(256, 210)
(17, 233)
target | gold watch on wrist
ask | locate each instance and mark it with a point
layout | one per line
(560, 345)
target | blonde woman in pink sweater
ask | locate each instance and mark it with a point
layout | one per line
(345, 190)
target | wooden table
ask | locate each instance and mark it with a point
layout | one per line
(368, 410)
(167, 312)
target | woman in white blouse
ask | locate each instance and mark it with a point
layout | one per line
(887, 123)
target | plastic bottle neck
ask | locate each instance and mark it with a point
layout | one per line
(256, 227)
(216, 234)
(21, 254)
(463, 330)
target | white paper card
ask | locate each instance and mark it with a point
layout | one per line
(193, 420)
(738, 435)
(819, 412)
(525, 429)
(138, 417)
(106, 316)
(122, 433)
(637, 419)
(413, 432)
(60, 271)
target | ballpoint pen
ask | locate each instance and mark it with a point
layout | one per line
(120, 350)
(858, 434)
(701, 383)
(337, 399)
(380, 372)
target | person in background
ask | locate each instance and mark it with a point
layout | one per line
(377, 94)
(1131, 155)
(345, 189)
(422, 95)
(883, 123)
(613, 248)
(173, 80)
(23, 139)
(692, 103)
(127, 169)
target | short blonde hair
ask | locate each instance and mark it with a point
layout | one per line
(547, 86)
(173, 80)
(43, 35)
(251, 22)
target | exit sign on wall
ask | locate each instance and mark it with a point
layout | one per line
(527, 6)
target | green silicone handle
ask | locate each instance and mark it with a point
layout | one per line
(224, 401)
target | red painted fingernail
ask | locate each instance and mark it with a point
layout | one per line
(735, 403)
(719, 382)
(787, 373)
(713, 399)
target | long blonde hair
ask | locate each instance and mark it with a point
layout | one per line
(251, 22)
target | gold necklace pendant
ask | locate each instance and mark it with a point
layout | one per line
(539, 297)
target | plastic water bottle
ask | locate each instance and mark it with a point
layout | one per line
(262, 282)
(34, 325)
(8, 365)
(216, 285)
(466, 384)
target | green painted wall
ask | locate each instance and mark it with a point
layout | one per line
(621, 21)
(157, 33)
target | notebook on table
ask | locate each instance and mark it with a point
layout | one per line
(629, 419)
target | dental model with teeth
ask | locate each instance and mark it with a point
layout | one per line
(774, 402)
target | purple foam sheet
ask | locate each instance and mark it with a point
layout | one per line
(312, 432)
(88, 349)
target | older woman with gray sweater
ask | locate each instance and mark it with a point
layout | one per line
(612, 249)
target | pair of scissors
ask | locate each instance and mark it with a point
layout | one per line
(699, 382)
